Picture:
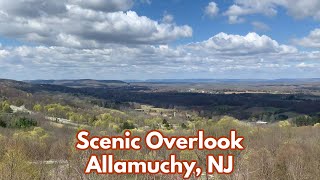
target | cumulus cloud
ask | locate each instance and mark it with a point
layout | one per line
(102, 39)
(3, 53)
(223, 55)
(311, 41)
(251, 43)
(212, 9)
(296, 8)
(242, 8)
(105, 5)
(32, 8)
(79, 24)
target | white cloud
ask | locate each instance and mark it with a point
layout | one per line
(297, 8)
(235, 20)
(32, 8)
(242, 8)
(304, 65)
(303, 8)
(167, 18)
(260, 26)
(3, 53)
(106, 40)
(212, 9)
(252, 43)
(105, 5)
(86, 27)
(223, 55)
(311, 41)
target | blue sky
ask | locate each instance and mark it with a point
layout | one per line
(144, 39)
(283, 27)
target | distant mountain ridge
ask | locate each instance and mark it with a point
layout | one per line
(101, 83)
(80, 82)
(225, 80)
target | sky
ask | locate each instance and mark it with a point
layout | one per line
(159, 39)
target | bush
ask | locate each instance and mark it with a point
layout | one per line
(184, 126)
(5, 107)
(24, 123)
(305, 120)
(127, 125)
(3, 123)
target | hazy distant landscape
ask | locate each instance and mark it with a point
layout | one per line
(212, 97)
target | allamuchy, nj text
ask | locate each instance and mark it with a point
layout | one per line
(155, 140)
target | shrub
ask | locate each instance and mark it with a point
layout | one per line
(3, 123)
(24, 123)
(127, 125)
